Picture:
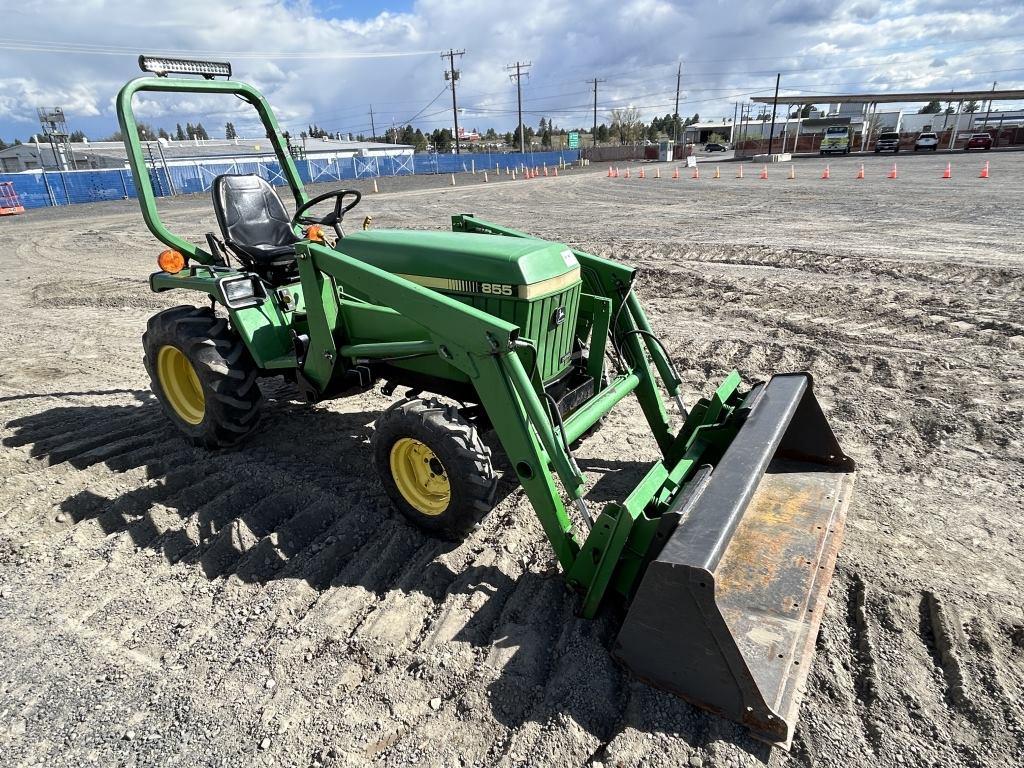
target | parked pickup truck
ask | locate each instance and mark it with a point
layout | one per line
(837, 138)
(888, 141)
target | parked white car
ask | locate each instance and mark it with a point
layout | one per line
(926, 141)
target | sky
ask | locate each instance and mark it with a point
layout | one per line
(328, 61)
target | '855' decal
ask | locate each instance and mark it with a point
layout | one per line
(497, 289)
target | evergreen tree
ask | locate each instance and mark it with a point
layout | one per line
(201, 132)
(603, 134)
(190, 131)
(162, 134)
(442, 140)
(179, 134)
(229, 131)
(77, 136)
(933, 107)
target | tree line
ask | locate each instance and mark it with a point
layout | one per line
(622, 126)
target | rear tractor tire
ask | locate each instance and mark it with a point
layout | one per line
(434, 466)
(202, 375)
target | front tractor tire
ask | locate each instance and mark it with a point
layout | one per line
(434, 466)
(202, 375)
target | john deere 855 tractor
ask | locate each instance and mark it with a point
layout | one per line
(724, 551)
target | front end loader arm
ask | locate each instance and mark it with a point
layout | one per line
(478, 344)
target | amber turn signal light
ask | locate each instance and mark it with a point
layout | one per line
(171, 261)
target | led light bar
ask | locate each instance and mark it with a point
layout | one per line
(161, 66)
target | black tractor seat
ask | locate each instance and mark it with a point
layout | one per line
(255, 226)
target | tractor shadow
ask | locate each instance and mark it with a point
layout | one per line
(300, 500)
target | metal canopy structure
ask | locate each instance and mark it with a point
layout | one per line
(894, 98)
(870, 102)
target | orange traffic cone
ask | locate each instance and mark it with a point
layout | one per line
(764, 172)
(894, 174)
(739, 172)
(642, 175)
(718, 174)
(675, 173)
(696, 172)
(545, 170)
(948, 173)
(609, 172)
(627, 172)
(792, 172)
(860, 173)
(615, 173)
(827, 173)
(984, 171)
(657, 172)
(556, 171)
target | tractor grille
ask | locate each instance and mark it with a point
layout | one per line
(536, 319)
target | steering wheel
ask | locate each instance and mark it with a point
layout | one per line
(335, 217)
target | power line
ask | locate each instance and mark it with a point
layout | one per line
(39, 46)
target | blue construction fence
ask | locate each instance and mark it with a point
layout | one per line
(39, 189)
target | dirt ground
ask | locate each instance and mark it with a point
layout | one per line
(162, 605)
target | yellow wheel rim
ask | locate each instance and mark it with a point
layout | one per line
(420, 476)
(180, 384)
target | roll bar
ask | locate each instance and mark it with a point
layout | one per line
(130, 133)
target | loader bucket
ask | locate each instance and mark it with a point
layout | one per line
(727, 613)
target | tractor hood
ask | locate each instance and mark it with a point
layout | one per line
(467, 263)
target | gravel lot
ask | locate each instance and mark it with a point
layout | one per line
(161, 605)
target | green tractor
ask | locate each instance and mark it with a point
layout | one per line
(722, 554)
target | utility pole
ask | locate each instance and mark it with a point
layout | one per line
(520, 70)
(732, 131)
(452, 74)
(775, 104)
(593, 137)
(675, 121)
(989, 110)
(373, 129)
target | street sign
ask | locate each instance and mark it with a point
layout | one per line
(574, 139)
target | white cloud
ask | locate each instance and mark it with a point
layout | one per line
(729, 50)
